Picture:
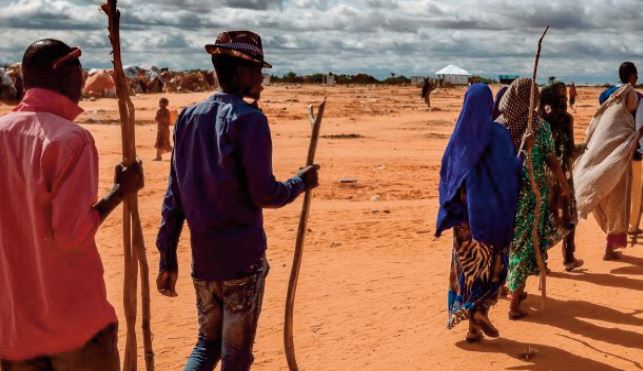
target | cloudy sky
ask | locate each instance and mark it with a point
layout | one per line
(587, 42)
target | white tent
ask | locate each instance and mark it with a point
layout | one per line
(454, 75)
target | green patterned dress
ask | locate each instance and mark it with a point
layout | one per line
(564, 146)
(522, 258)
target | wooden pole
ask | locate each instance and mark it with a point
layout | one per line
(532, 179)
(299, 246)
(134, 246)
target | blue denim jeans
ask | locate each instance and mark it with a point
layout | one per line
(228, 312)
(99, 353)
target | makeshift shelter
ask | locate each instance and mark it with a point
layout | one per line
(11, 86)
(5, 80)
(155, 83)
(454, 75)
(99, 84)
(132, 71)
(7, 88)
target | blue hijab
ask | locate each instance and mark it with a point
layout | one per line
(480, 156)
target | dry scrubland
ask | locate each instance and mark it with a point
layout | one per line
(372, 292)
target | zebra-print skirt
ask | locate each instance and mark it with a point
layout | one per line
(478, 271)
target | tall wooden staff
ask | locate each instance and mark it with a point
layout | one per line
(532, 179)
(133, 242)
(301, 234)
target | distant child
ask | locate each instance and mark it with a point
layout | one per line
(572, 96)
(427, 88)
(162, 144)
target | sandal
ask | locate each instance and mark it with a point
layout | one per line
(577, 263)
(515, 312)
(516, 315)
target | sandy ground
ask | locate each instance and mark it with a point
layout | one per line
(373, 285)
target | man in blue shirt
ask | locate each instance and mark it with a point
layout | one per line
(627, 73)
(220, 179)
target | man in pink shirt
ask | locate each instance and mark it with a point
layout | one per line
(54, 313)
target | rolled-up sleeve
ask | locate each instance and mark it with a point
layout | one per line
(74, 192)
(253, 137)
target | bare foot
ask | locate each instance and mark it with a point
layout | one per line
(611, 255)
(485, 325)
(474, 335)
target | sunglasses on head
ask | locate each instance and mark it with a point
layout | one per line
(74, 54)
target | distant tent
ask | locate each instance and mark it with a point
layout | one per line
(5, 79)
(7, 87)
(454, 75)
(94, 71)
(132, 71)
(152, 68)
(100, 84)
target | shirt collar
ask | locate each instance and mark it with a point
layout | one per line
(44, 100)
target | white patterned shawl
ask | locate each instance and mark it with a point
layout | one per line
(611, 141)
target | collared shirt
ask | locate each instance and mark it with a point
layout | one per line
(52, 293)
(220, 179)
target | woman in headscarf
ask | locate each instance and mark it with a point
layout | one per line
(602, 175)
(478, 197)
(496, 102)
(553, 108)
(540, 146)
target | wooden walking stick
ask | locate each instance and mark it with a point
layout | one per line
(134, 254)
(299, 246)
(532, 179)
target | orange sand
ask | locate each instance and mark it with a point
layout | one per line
(373, 285)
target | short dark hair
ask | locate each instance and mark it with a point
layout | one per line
(37, 69)
(164, 100)
(226, 66)
(626, 70)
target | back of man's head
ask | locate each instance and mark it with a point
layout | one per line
(38, 68)
(626, 70)
(226, 68)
